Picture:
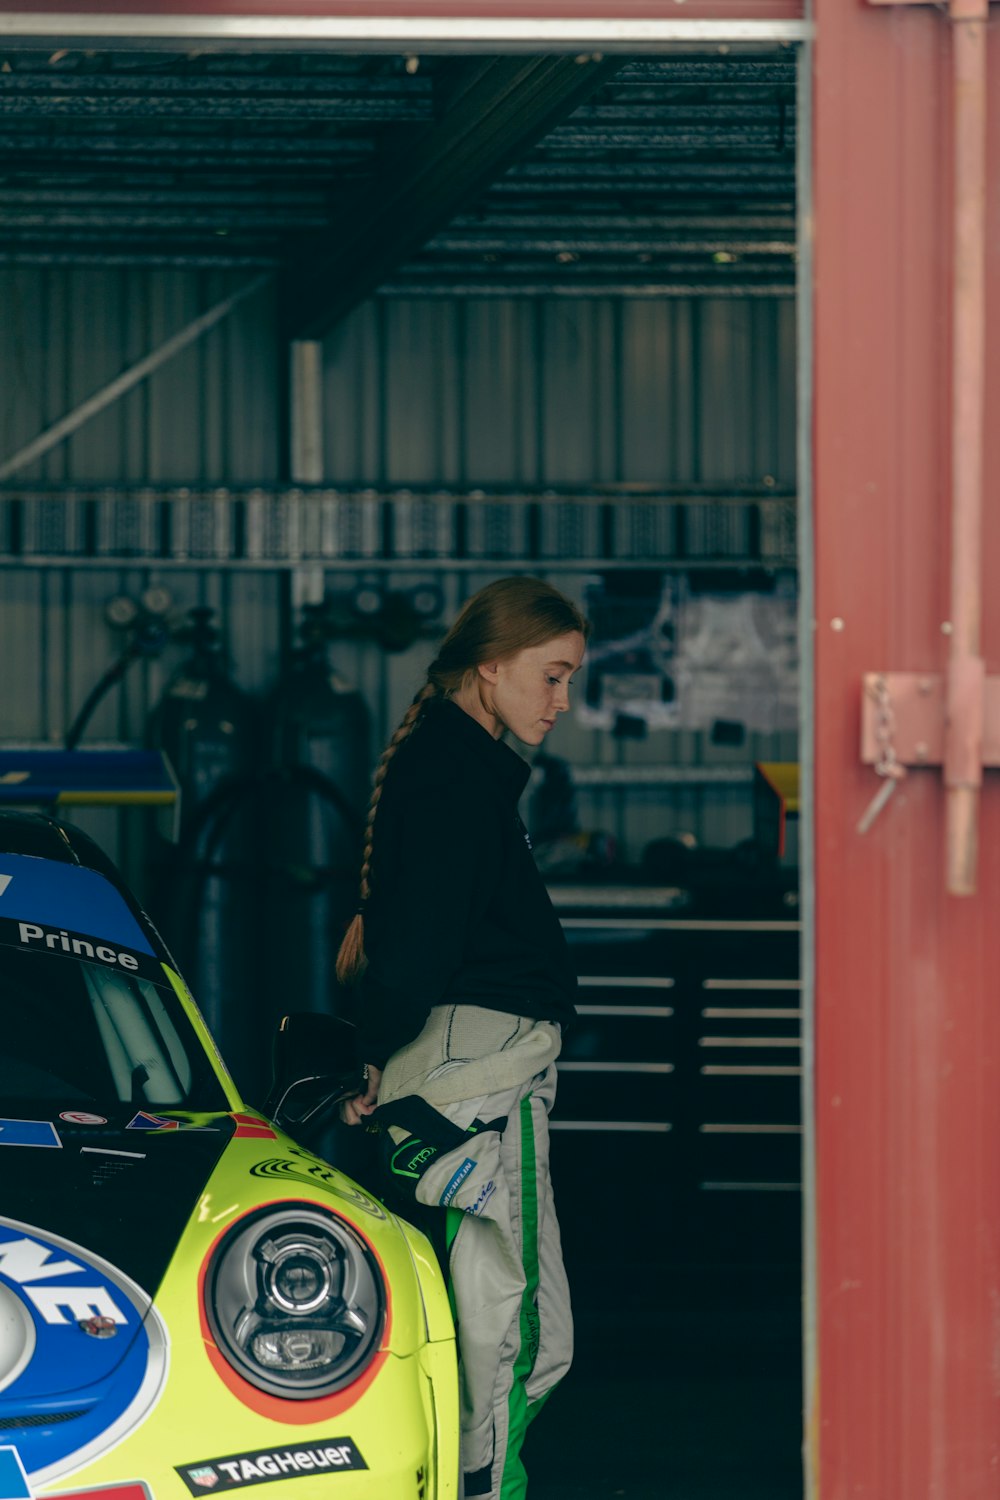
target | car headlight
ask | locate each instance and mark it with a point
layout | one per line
(295, 1301)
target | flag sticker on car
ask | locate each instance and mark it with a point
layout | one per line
(145, 1121)
(238, 1470)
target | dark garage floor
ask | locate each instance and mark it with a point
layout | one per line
(700, 1400)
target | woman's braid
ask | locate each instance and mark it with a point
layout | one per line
(351, 958)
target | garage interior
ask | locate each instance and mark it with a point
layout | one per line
(301, 349)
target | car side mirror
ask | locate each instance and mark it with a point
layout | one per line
(314, 1069)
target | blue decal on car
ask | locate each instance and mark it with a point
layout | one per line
(70, 896)
(13, 1480)
(82, 1346)
(28, 1133)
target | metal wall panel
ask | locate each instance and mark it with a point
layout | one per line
(210, 414)
(562, 392)
(525, 392)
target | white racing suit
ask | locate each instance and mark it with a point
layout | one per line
(480, 1156)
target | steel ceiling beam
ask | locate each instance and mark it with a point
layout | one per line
(725, 165)
(185, 152)
(362, 94)
(625, 225)
(741, 69)
(645, 290)
(666, 110)
(597, 281)
(272, 201)
(150, 260)
(572, 243)
(126, 221)
(143, 105)
(761, 136)
(499, 109)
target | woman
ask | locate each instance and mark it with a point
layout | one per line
(465, 984)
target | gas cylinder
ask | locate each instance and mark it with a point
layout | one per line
(203, 884)
(317, 738)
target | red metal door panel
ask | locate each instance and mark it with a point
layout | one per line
(907, 1032)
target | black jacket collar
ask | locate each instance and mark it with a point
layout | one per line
(504, 763)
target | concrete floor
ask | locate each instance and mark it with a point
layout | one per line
(696, 1398)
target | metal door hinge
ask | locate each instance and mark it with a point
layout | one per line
(932, 719)
(919, 711)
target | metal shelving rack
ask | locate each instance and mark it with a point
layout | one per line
(352, 528)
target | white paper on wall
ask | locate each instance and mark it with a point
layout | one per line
(670, 654)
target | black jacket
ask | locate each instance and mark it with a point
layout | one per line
(458, 912)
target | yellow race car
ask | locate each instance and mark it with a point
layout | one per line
(190, 1301)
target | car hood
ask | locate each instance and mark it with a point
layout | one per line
(133, 1209)
(124, 1189)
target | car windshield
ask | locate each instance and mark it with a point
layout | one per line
(80, 1035)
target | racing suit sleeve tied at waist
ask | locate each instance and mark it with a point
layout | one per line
(484, 1160)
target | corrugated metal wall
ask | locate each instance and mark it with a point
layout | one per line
(563, 392)
(208, 415)
(458, 393)
(518, 395)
